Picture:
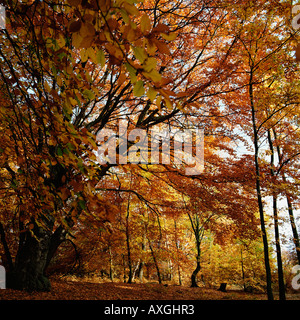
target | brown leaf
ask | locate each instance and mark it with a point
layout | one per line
(75, 26)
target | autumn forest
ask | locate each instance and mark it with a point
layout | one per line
(87, 193)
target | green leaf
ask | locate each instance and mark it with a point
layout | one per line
(59, 151)
(25, 120)
(89, 94)
(82, 204)
(138, 89)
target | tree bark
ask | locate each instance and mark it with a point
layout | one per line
(9, 262)
(276, 227)
(258, 191)
(198, 266)
(290, 206)
(194, 275)
(31, 260)
(155, 262)
(128, 238)
(293, 226)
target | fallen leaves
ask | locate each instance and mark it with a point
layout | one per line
(73, 290)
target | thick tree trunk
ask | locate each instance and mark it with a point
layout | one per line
(31, 260)
(36, 249)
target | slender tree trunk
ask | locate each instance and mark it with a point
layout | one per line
(198, 265)
(142, 263)
(177, 249)
(111, 266)
(128, 239)
(259, 196)
(124, 268)
(290, 208)
(276, 228)
(135, 270)
(243, 272)
(128, 249)
(155, 262)
(294, 228)
(278, 251)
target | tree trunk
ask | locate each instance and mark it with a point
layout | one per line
(223, 287)
(111, 270)
(141, 271)
(128, 239)
(142, 263)
(243, 271)
(198, 265)
(9, 263)
(31, 260)
(259, 196)
(155, 262)
(290, 207)
(276, 227)
(293, 226)
(128, 249)
(177, 249)
(194, 275)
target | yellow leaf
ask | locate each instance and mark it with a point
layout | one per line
(158, 101)
(92, 54)
(169, 37)
(131, 9)
(138, 89)
(60, 42)
(132, 72)
(83, 55)
(140, 54)
(168, 103)
(151, 94)
(100, 57)
(153, 75)
(150, 64)
(76, 39)
(145, 23)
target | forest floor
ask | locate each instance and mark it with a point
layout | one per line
(81, 290)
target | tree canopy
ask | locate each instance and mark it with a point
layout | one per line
(72, 69)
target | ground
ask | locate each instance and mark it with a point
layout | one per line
(63, 289)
